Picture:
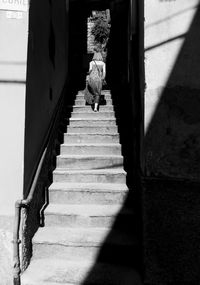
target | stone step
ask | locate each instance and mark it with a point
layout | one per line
(87, 115)
(91, 149)
(82, 193)
(104, 91)
(89, 161)
(83, 122)
(82, 102)
(91, 138)
(81, 244)
(86, 223)
(90, 176)
(26, 281)
(58, 271)
(105, 96)
(93, 130)
(88, 108)
(85, 215)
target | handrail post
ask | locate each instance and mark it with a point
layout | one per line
(16, 241)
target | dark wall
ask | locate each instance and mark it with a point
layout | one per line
(171, 232)
(46, 74)
(122, 77)
(78, 45)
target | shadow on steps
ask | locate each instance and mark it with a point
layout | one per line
(122, 261)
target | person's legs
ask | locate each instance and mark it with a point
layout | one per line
(96, 102)
(97, 95)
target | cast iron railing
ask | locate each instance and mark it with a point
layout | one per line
(25, 203)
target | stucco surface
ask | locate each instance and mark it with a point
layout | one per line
(172, 102)
(171, 142)
(6, 250)
(13, 53)
(5, 258)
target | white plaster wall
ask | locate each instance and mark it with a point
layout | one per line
(165, 20)
(13, 54)
(11, 145)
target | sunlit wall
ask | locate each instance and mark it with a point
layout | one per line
(13, 55)
(172, 83)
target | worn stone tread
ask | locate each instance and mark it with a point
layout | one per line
(97, 187)
(90, 171)
(58, 271)
(92, 144)
(93, 119)
(95, 136)
(92, 129)
(105, 175)
(98, 156)
(80, 237)
(96, 122)
(81, 193)
(84, 210)
(90, 111)
(101, 108)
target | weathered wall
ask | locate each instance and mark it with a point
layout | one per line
(172, 69)
(46, 74)
(171, 142)
(13, 56)
(6, 248)
(13, 53)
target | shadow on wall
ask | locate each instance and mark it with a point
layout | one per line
(171, 211)
(119, 260)
(173, 137)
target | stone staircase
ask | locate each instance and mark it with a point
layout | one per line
(81, 241)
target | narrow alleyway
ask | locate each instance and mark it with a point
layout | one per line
(88, 237)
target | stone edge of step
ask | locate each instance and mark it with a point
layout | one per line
(99, 127)
(77, 134)
(59, 265)
(84, 109)
(92, 119)
(91, 144)
(99, 156)
(92, 112)
(87, 210)
(96, 187)
(91, 134)
(90, 171)
(82, 99)
(65, 237)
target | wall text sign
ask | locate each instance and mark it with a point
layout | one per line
(14, 5)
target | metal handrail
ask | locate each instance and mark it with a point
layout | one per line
(19, 204)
